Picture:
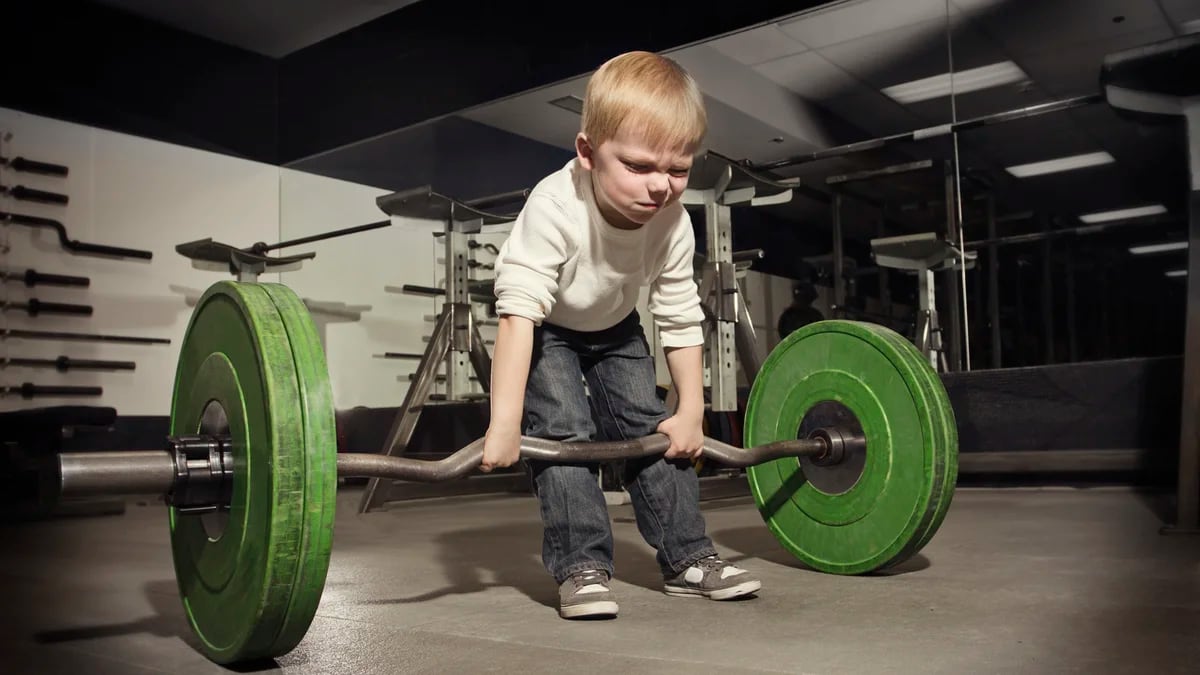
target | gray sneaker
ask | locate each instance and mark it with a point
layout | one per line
(586, 594)
(712, 578)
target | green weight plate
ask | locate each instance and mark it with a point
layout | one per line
(943, 414)
(949, 427)
(320, 454)
(872, 523)
(236, 374)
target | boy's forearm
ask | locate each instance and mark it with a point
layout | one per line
(510, 370)
(687, 372)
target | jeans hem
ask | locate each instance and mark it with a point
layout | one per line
(689, 561)
(580, 567)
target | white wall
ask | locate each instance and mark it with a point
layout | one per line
(130, 192)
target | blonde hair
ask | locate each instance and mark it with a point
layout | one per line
(647, 94)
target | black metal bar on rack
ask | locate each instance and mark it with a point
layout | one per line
(34, 307)
(66, 363)
(85, 337)
(261, 247)
(32, 166)
(32, 277)
(31, 390)
(67, 242)
(31, 195)
(931, 132)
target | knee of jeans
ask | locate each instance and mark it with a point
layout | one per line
(654, 468)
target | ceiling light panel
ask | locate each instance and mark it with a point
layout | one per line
(1061, 164)
(962, 81)
(1166, 247)
(1123, 214)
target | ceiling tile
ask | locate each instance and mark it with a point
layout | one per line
(894, 56)
(809, 75)
(757, 45)
(855, 20)
(1073, 69)
(1181, 11)
(1054, 27)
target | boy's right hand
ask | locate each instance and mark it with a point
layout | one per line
(501, 448)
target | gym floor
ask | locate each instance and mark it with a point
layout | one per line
(1029, 580)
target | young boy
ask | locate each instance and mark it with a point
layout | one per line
(567, 281)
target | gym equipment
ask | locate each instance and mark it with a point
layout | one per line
(19, 333)
(852, 458)
(455, 340)
(31, 195)
(31, 390)
(72, 244)
(726, 184)
(65, 363)
(924, 254)
(246, 264)
(1152, 83)
(32, 277)
(929, 132)
(35, 307)
(31, 166)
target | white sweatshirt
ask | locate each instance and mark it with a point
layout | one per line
(565, 264)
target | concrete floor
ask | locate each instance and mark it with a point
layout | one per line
(1025, 580)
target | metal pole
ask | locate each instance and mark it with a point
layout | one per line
(993, 259)
(931, 132)
(1072, 333)
(839, 280)
(1187, 517)
(1047, 298)
(951, 283)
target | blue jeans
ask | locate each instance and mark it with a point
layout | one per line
(620, 402)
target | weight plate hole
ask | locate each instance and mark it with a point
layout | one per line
(840, 477)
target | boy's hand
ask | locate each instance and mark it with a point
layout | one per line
(686, 433)
(501, 448)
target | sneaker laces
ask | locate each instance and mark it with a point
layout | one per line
(714, 563)
(583, 580)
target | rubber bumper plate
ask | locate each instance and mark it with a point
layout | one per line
(880, 505)
(251, 367)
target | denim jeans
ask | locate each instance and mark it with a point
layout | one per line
(619, 402)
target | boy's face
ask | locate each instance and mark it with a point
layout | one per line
(633, 181)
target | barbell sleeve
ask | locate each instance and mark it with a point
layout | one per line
(121, 472)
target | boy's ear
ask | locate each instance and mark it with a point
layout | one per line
(584, 150)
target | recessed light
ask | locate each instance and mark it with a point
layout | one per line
(570, 102)
(1176, 273)
(1159, 248)
(1060, 164)
(973, 79)
(1123, 214)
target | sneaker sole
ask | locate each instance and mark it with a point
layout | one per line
(600, 608)
(741, 589)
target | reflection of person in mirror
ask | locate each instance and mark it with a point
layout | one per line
(571, 359)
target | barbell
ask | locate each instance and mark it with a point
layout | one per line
(851, 457)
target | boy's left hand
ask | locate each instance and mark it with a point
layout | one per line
(686, 434)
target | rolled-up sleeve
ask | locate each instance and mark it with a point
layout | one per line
(674, 299)
(527, 267)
